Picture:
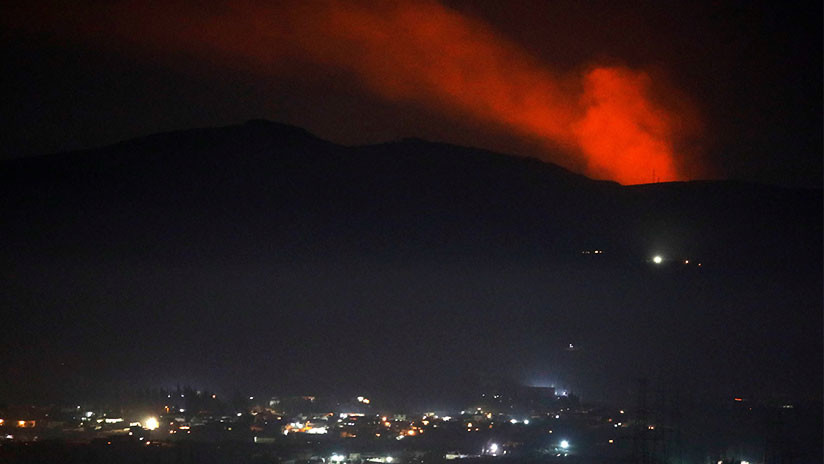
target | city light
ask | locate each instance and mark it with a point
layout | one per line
(337, 458)
(151, 423)
(564, 444)
(657, 259)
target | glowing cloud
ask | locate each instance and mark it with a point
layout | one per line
(606, 119)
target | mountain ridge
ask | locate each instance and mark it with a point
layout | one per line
(276, 130)
(278, 232)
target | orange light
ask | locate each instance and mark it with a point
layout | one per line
(611, 122)
(738, 399)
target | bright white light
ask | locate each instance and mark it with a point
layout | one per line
(389, 459)
(493, 448)
(564, 444)
(151, 423)
(657, 259)
(745, 462)
(526, 421)
(336, 458)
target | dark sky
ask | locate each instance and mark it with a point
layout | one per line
(741, 80)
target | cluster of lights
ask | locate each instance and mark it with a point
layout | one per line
(592, 252)
(658, 259)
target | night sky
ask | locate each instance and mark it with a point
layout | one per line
(256, 256)
(717, 89)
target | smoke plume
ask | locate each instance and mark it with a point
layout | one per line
(611, 122)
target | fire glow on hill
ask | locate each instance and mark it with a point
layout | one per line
(612, 122)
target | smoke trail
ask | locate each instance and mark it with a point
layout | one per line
(605, 118)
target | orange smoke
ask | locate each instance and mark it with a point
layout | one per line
(605, 119)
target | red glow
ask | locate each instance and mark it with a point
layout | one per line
(604, 119)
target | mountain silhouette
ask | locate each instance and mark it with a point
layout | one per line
(211, 255)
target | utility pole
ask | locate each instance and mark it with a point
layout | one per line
(640, 448)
